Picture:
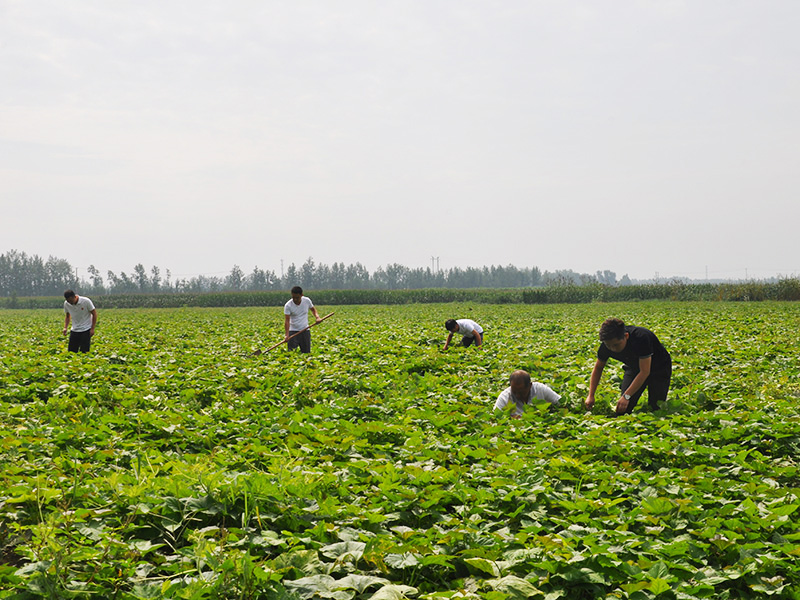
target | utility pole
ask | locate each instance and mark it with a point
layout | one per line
(281, 268)
(706, 273)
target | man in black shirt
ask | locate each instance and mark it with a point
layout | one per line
(648, 365)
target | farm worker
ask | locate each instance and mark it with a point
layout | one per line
(522, 391)
(647, 364)
(296, 312)
(469, 329)
(81, 311)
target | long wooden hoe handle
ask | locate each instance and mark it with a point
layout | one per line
(295, 335)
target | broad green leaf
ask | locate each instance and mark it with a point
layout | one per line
(515, 587)
(394, 592)
(307, 587)
(784, 510)
(360, 582)
(658, 586)
(342, 550)
(486, 566)
(401, 561)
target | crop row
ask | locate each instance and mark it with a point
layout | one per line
(170, 462)
(783, 290)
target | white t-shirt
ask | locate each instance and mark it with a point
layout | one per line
(298, 313)
(80, 313)
(466, 327)
(538, 390)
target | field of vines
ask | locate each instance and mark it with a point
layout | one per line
(170, 462)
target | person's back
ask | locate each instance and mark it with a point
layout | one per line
(469, 330)
(522, 391)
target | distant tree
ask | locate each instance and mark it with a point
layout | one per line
(127, 284)
(291, 277)
(606, 277)
(307, 273)
(113, 282)
(140, 276)
(357, 277)
(257, 280)
(155, 279)
(97, 279)
(535, 277)
(322, 277)
(60, 275)
(337, 276)
(235, 280)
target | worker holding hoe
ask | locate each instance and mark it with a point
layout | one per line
(469, 330)
(296, 321)
(647, 365)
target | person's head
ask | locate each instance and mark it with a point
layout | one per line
(451, 325)
(613, 334)
(520, 382)
(70, 296)
(297, 294)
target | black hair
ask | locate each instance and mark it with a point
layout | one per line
(69, 294)
(297, 290)
(612, 329)
(450, 324)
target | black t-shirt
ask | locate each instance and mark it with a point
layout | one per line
(641, 344)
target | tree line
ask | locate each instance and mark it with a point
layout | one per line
(30, 275)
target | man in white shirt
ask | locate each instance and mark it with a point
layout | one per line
(522, 391)
(81, 311)
(296, 313)
(469, 329)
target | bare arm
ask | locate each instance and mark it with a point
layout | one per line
(66, 323)
(286, 321)
(636, 384)
(594, 381)
(478, 338)
(316, 314)
(94, 321)
(447, 343)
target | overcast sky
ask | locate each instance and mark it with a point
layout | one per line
(638, 136)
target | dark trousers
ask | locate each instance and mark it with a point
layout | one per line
(656, 384)
(303, 341)
(79, 340)
(468, 340)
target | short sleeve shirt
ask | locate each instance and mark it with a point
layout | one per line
(466, 327)
(80, 314)
(538, 390)
(642, 343)
(298, 313)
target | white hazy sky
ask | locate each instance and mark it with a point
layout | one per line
(630, 135)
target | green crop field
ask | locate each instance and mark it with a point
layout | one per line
(172, 463)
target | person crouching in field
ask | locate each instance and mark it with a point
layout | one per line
(81, 311)
(522, 391)
(647, 365)
(296, 320)
(469, 330)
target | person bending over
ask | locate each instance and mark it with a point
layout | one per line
(647, 365)
(521, 392)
